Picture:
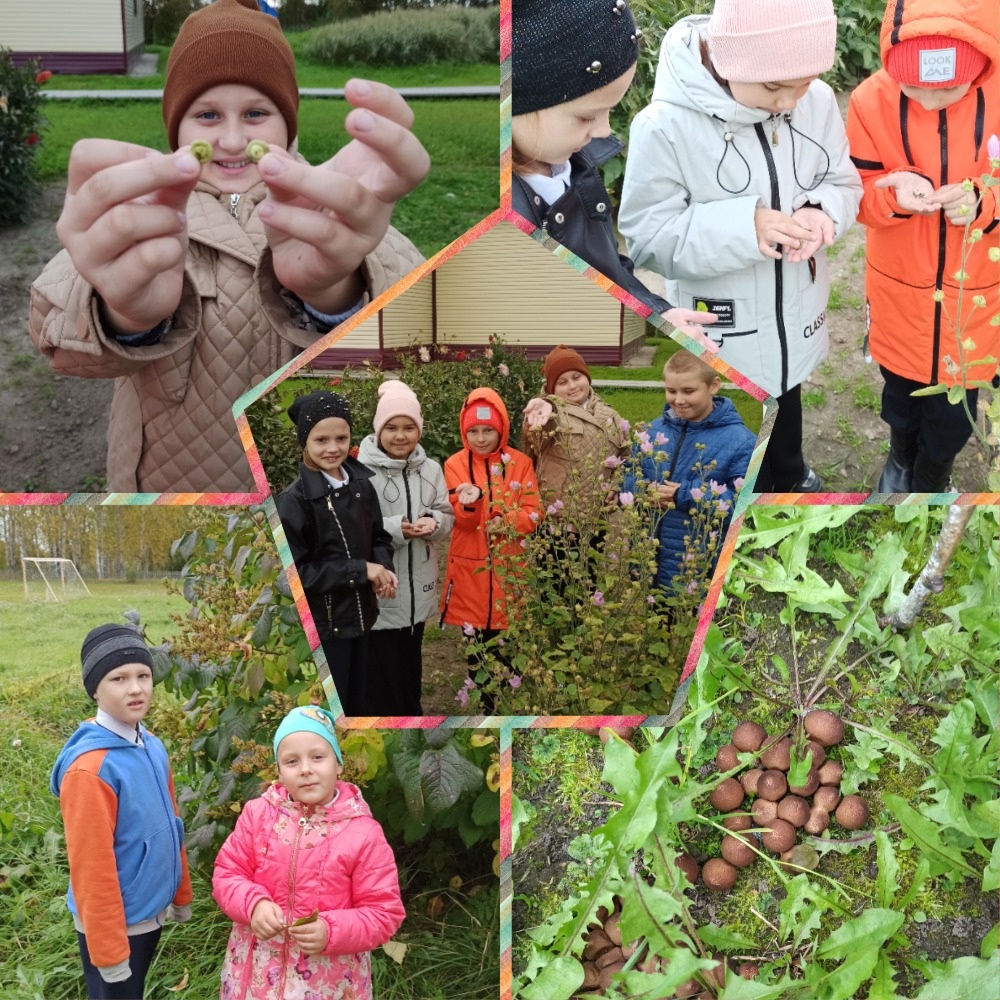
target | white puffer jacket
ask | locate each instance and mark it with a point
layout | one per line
(698, 166)
(408, 489)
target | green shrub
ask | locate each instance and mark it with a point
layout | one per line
(21, 123)
(441, 379)
(410, 38)
(859, 23)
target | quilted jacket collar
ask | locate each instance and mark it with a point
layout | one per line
(315, 485)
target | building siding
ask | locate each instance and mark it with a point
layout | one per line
(62, 26)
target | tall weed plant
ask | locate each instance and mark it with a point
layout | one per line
(21, 124)
(410, 38)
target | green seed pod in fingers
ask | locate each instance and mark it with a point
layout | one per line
(256, 149)
(201, 151)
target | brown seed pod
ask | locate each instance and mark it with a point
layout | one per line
(852, 813)
(778, 753)
(772, 785)
(780, 836)
(826, 728)
(764, 810)
(689, 866)
(826, 798)
(257, 149)
(819, 820)
(201, 150)
(748, 736)
(737, 852)
(831, 772)
(794, 810)
(812, 783)
(725, 757)
(741, 821)
(749, 780)
(727, 796)
(718, 874)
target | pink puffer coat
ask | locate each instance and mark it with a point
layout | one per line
(335, 860)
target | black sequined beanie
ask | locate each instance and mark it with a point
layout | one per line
(108, 647)
(562, 51)
(307, 411)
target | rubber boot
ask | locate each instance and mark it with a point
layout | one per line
(930, 476)
(897, 475)
(809, 483)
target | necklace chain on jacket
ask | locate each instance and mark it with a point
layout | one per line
(347, 551)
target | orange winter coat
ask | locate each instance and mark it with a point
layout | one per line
(473, 591)
(910, 256)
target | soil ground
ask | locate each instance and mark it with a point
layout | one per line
(53, 432)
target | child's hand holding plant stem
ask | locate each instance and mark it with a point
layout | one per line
(322, 221)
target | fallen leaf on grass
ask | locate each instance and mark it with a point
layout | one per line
(396, 950)
(182, 985)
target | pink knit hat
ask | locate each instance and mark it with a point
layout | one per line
(396, 399)
(767, 41)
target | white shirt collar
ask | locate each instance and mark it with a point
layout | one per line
(337, 484)
(133, 734)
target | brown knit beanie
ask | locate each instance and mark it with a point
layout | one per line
(560, 360)
(230, 41)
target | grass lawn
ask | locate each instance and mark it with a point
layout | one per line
(462, 137)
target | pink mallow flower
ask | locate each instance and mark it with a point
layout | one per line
(503, 369)
(738, 482)
(692, 587)
(660, 438)
(495, 470)
(555, 507)
(650, 600)
(514, 484)
(613, 461)
(697, 493)
(723, 506)
(624, 425)
(993, 150)
(717, 488)
(626, 499)
(462, 697)
(598, 599)
(467, 629)
(515, 682)
(646, 447)
(505, 457)
(533, 515)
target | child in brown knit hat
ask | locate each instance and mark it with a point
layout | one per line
(190, 283)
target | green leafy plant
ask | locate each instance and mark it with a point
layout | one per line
(21, 125)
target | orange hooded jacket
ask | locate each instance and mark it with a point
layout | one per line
(473, 591)
(908, 257)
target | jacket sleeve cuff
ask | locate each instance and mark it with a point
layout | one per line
(117, 973)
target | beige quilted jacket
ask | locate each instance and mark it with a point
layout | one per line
(172, 427)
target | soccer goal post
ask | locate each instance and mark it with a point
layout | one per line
(51, 579)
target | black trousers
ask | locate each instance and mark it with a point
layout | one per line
(939, 428)
(348, 662)
(783, 465)
(395, 671)
(142, 948)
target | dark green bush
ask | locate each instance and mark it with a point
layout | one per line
(410, 38)
(21, 123)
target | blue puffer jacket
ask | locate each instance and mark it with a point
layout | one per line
(724, 457)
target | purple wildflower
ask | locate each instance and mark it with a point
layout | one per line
(598, 599)
(613, 461)
(723, 506)
(626, 499)
(468, 629)
(697, 493)
(515, 681)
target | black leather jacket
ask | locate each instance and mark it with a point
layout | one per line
(581, 219)
(333, 535)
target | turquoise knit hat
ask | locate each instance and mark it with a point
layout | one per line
(310, 719)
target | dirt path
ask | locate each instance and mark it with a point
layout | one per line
(52, 437)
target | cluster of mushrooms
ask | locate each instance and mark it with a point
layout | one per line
(605, 953)
(780, 810)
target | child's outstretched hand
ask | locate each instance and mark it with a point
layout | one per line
(311, 937)
(914, 194)
(690, 321)
(467, 494)
(420, 528)
(952, 198)
(776, 229)
(537, 413)
(820, 225)
(124, 225)
(322, 221)
(267, 919)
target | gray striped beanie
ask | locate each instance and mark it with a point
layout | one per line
(107, 647)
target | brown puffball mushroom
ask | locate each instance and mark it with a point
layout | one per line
(831, 772)
(718, 974)
(607, 973)
(764, 811)
(818, 753)
(748, 736)
(852, 813)
(725, 757)
(737, 852)
(819, 820)
(718, 874)
(614, 956)
(749, 780)
(778, 755)
(826, 728)
(812, 783)
(689, 866)
(741, 821)
(612, 931)
(590, 976)
(748, 970)
(597, 943)
(687, 990)
(772, 785)
(780, 837)
(727, 796)
(826, 798)
(794, 810)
